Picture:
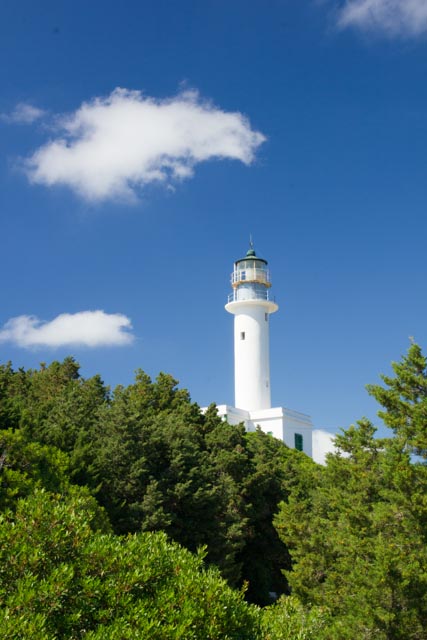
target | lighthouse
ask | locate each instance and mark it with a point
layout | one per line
(251, 304)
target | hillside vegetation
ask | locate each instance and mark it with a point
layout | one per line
(130, 514)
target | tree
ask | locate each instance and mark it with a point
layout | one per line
(155, 463)
(159, 464)
(264, 487)
(404, 400)
(53, 406)
(25, 466)
(61, 577)
(357, 536)
(288, 619)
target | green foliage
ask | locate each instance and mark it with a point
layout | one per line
(25, 466)
(159, 464)
(287, 618)
(28, 466)
(405, 402)
(153, 461)
(53, 406)
(13, 390)
(59, 578)
(264, 486)
(357, 531)
(351, 537)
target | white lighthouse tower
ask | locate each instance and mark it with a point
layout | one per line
(251, 304)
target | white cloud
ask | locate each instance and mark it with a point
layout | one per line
(111, 146)
(323, 443)
(87, 328)
(23, 114)
(394, 17)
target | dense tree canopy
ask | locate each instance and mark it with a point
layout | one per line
(99, 489)
(61, 579)
(357, 533)
(155, 463)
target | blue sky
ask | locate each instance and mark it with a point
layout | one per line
(301, 122)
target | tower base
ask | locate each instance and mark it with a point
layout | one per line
(293, 428)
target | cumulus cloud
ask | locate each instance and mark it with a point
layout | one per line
(394, 17)
(323, 443)
(87, 328)
(23, 114)
(112, 146)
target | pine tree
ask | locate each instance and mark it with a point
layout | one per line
(358, 536)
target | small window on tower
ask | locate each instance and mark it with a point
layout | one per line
(242, 335)
(266, 317)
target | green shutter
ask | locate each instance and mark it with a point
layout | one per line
(299, 446)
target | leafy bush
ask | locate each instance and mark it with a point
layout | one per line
(61, 579)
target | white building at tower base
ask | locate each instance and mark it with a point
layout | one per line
(295, 429)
